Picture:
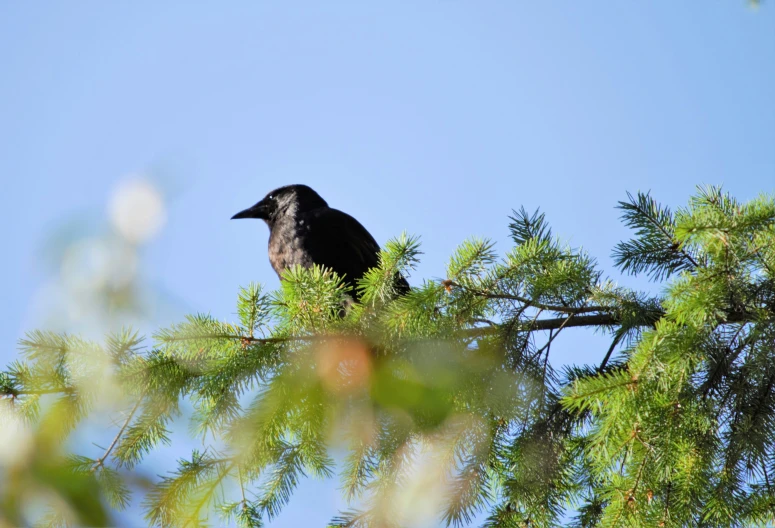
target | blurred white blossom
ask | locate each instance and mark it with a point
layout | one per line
(15, 436)
(137, 209)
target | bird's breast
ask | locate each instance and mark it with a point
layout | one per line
(286, 248)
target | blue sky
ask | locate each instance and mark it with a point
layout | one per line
(437, 118)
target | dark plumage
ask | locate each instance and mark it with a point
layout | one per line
(304, 230)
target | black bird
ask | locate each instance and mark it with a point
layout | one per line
(304, 230)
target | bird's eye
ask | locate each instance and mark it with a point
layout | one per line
(271, 196)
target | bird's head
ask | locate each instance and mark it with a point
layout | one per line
(287, 200)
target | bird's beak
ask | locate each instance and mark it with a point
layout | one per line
(260, 211)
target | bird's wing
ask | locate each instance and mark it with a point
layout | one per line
(338, 241)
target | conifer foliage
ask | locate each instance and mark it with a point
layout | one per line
(439, 404)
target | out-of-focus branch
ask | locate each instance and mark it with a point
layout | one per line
(13, 393)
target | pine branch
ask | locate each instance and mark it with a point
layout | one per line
(553, 335)
(655, 250)
(531, 302)
(617, 339)
(596, 320)
(206, 494)
(100, 462)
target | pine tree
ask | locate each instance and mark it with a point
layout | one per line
(443, 398)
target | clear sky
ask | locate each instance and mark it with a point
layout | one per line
(436, 117)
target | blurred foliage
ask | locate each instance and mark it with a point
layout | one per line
(441, 403)
(94, 276)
